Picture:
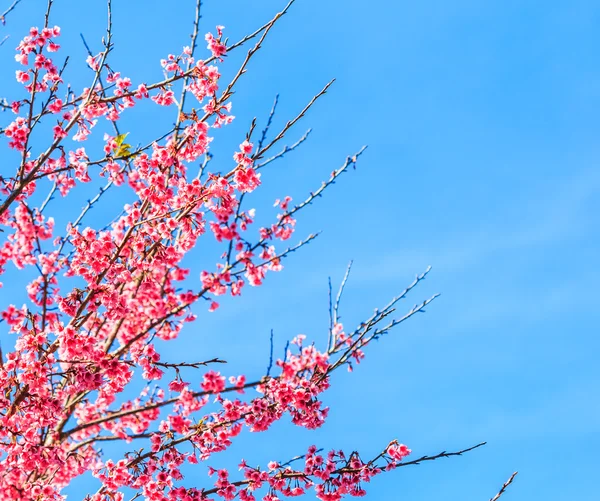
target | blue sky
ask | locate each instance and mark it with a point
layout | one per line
(481, 121)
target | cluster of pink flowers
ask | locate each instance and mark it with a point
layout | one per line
(246, 178)
(18, 133)
(100, 297)
(332, 477)
(215, 45)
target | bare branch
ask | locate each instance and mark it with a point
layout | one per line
(184, 89)
(506, 484)
(194, 365)
(442, 454)
(270, 355)
(257, 32)
(291, 123)
(285, 150)
(334, 309)
(8, 11)
(269, 120)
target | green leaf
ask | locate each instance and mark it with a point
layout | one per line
(120, 138)
(122, 149)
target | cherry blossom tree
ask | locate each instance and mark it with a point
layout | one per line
(99, 298)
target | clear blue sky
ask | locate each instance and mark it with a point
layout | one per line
(482, 125)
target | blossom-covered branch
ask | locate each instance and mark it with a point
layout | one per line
(100, 297)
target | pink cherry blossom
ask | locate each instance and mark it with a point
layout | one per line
(103, 295)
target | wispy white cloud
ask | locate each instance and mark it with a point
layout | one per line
(553, 214)
(569, 412)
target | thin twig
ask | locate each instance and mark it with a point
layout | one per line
(331, 322)
(184, 89)
(8, 11)
(255, 33)
(194, 365)
(296, 458)
(270, 355)
(286, 149)
(336, 307)
(291, 123)
(442, 454)
(506, 484)
(269, 120)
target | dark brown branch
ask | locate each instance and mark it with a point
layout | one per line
(442, 454)
(194, 365)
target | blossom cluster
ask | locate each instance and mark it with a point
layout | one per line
(101, 297)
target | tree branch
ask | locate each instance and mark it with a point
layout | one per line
(507, 483)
